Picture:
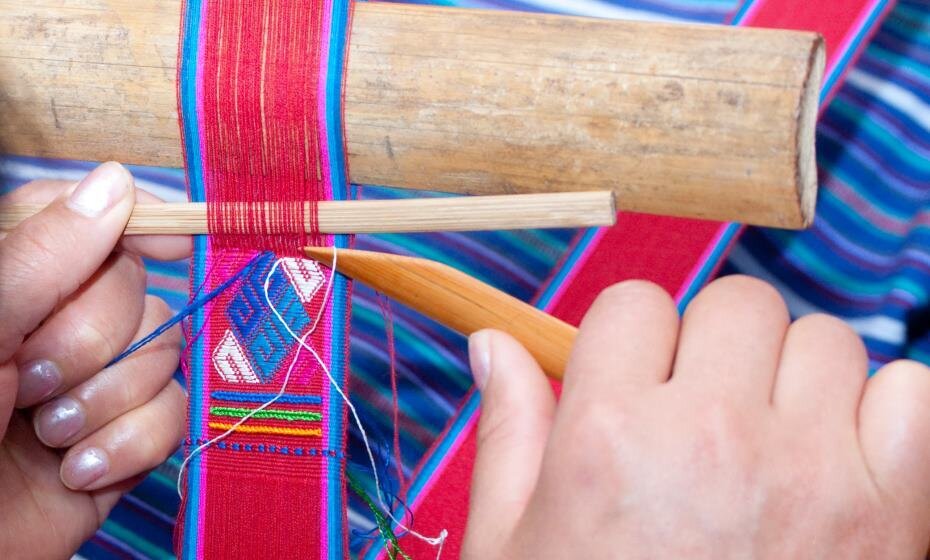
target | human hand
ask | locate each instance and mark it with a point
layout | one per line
(73, 435)
(733, 435)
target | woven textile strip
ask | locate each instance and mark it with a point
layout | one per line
(678, 254)
(260, 103)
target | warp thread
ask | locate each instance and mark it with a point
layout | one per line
(395, 405)
(437, 541)
(264, 401)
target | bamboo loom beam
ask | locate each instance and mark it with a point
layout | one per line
(700, 121)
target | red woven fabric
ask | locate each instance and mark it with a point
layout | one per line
(266, 488)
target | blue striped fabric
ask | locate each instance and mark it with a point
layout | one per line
(867, 258)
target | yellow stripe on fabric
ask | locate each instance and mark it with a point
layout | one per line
(268, 429)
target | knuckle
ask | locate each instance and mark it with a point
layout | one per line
(842, 336)
(907, 377)
(588, 428)
(94, 341)
(719, 435)
(633, 291)
(132, 269)
(747, 288)
(28, 257)
(495, 429)
(158, 309)
(630, 298)
(824, 322)
(908, 368)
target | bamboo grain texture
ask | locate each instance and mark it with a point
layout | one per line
(458, 301)
(687, 120)
(461, 213)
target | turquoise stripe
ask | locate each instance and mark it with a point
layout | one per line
(571, 260)
(335, 506)
(713, 260)
(188, 93)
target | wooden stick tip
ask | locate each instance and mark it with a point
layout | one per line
(321, 254)
(806, 131)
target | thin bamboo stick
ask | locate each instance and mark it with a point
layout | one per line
(468, 213)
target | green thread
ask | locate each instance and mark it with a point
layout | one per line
(274, 413)
(384, 526)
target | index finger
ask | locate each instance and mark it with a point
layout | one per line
(161, 247)
(51, 254)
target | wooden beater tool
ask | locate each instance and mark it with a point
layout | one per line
(456, 300)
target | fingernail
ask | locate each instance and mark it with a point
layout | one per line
(37, 380)
(80, 470)
(100, 190)
(58, 421)
(479, 354)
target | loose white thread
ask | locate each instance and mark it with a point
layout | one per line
(437, 541)
(432, 541)
(287, 377)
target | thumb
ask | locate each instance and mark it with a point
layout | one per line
(50, 255)
(516, 416)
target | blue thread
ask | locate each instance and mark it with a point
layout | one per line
(261, 448)
(265, 397)
(193, 306)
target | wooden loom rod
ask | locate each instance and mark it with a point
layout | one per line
(700, 121)
(471, 213)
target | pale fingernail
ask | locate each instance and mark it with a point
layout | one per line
(82, 469)
(479, 354)
(37, 380)
(100, 190)
(59, 420)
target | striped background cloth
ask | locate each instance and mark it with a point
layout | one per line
(867, 258)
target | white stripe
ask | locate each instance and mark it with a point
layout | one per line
(598, 8)
(893, 94)
(876, 327)
(30, 172)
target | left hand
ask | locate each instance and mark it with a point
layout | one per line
(75, 435)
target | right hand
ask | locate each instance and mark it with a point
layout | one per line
(733, 434)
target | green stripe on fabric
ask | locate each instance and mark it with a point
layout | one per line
(273, 413)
